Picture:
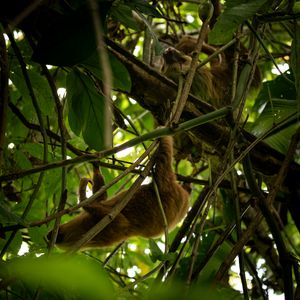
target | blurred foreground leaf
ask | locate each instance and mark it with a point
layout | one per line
(68, 277)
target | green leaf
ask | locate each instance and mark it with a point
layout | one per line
(121, 77)
(144, 8)
(7, 216)
(68, 277)
(157, 45)
(281, 87)
(235, 13)
(35, 150)
(40, 86)
(207, 239)
(277, 97)
(281, 140)
(123, 14)
(14, 246)
(274, 112)
(155, 251)
(296, 8)
(157, 254)
(228, 209)
(37, 235)
(86, 109)
(22, 160)
(170, 257)
(122, 11)
(175, 290)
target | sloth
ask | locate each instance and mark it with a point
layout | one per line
(211, 84)
(141, 217)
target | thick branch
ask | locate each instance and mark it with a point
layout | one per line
(152, 90)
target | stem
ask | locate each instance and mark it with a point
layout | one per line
(237, 208)
(165, 221)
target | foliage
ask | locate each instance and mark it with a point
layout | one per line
(65, 85)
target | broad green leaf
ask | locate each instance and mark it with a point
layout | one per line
(155, 250)
(123, 14)
(69, 277)
(14, 246)
(6, 215)
(228, 206)
(121, 77)
(86, 109)
(40, 87)
(35, 150)
(170, 257)
(52, 181)
(277, 97)
(296, 8)
(122, 11)
(157, 45)
(207, 239)
(16, 130)
(273, 113)
(235, 13)
(281, 140)
(175, 290)
(22, 160)
(144, 8)
(37, 235)
(281, 87)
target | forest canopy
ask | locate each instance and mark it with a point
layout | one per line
(89, 84)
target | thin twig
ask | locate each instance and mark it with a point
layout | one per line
(112, 254)
(165, 221)
(146, 276)
(237, 212)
